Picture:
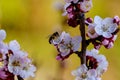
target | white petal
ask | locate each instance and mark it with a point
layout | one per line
(95, 51)
(76, 43)
(68, 1)
(14, 45)
(114, 38)
(97, 20)
(65, 37)
(107, 21)
(107, 34)
(98, 30)
(92, 72)
(2, 35)
(66, 5)
(112, 28)
(75, 1)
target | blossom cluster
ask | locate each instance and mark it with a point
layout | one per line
(65, 44)
(13, 60)
(103, 31)
(74, 8)
(99, 32)
(96, 65)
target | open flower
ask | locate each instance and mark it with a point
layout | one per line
(21, 65)
(86, 5)
(67, 45)
(105, 27)
(96, 65)
(82, 73)
(91, 31)
(15, 64)
(96, 61)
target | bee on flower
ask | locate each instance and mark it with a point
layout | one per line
(66, 45)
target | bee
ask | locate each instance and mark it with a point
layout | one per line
(53, 37)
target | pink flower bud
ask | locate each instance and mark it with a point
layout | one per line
(116, 20)
(105, 42)
(97, 45)
(110, 45)
(90, 20)
(58, 58)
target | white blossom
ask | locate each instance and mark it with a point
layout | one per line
(102, 63)
(68, 45)
(21, 65)
(91, 31)
(15, 64)
(82, 73)
(105, 27)
(86, 5)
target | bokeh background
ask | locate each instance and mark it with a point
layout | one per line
(32, 21)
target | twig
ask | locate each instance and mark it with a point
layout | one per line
(82, 31)
(20, 78)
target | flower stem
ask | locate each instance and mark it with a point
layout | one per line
(82, 31)
(20, 78)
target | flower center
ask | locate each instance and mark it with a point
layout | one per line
(69, 46)
(91, 62)
(84, 75)
(92, 31)
(105, 27)
(16, 63)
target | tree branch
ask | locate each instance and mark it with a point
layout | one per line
(82, 31)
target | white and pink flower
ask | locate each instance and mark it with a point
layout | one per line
(96, 61)
(67, 45)
(86, 5)
(96, 65)
(15, 61)
(105, 27)
(82, 73)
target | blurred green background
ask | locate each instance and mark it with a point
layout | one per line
(32, 21)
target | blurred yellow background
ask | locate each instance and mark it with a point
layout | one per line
(32, 21)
